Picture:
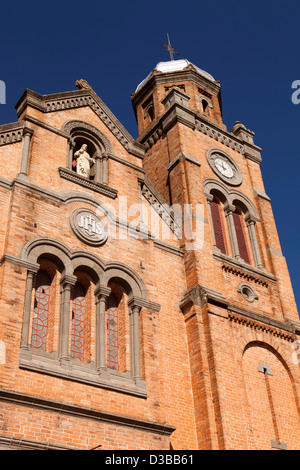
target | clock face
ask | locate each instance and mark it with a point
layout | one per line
(224, 168)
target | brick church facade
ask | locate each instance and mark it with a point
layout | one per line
(145, 300)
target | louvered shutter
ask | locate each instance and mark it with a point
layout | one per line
(244, 254)
(217, 225)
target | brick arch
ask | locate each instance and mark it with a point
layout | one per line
(263, 340)
(128, 278)
(48, 247)
(231, 196)
(91, 263)
(252, 398)
(96, 135)
(70, 260)
(259, 338)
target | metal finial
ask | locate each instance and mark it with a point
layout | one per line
(170, 48)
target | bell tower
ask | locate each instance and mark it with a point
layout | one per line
(239, 302)
(174, 92)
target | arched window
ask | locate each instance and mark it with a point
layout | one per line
(45, 306)
(215, 207)
(83, 310)
(83, 316)
(41, 309)
(205, 106)
(87, 156)
(148, 110)
(117, 321)
(112, 333)
(151, 112)
(233, 219)
(78, 327)
(241, 235)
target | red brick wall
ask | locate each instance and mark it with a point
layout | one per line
(199, 364)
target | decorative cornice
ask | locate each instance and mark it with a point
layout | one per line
(137, 301)
(78, 99)
(97, 187)
(244, 271)
(11, 133)
(178, 113)
(32, 267)
(219, 135)
(260, 322)
(78, 411)
(19, 443)
(160, 78)
(294, 325)
(68, 197)
(200, 295)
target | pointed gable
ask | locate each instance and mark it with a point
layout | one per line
(79, 99)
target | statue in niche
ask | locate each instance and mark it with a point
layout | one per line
(83, 161)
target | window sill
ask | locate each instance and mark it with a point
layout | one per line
(246, 267)
(47, 363)
(100, 188)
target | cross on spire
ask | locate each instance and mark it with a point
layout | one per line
(170, 48)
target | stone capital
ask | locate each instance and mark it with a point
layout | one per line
(102, 292)
(140, 303)
(229, 208)
(68, 280)
(27, 130)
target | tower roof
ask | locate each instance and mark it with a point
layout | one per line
(174, 66)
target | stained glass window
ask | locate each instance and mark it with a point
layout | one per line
(112, 334)
(77, 332)
(41, 310)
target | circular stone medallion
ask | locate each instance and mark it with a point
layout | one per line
(88, 227)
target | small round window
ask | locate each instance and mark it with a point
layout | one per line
(247, 292)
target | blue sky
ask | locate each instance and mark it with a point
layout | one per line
(251, 47)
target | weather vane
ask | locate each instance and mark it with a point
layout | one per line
(170, 48)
